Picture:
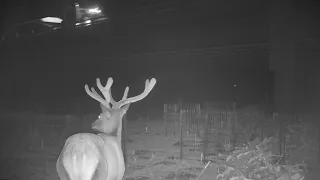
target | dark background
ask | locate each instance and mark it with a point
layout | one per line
(197, 50)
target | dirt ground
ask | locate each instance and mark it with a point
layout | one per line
(150, 155)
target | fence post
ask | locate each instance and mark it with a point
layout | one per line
(165, 118)
(205, 138)
(235, 121)
(281, 137)
(181, 134)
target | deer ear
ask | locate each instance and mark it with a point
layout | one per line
(125, 108)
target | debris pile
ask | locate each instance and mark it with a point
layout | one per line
(301, 143)
(255, 161)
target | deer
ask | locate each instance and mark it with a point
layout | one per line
(90, 156)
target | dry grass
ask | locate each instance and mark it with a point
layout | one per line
(150, 154)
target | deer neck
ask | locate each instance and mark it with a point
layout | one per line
(119, 131)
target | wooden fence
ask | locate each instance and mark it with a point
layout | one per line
(215, 128)
(200, 129)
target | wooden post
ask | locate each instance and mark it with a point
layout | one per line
(205, 138)
(165, 118)
(235, 119)
(281, 136)
(174, 124)
(226, 120)
(192, 119)
(209, 122)
(220, 123)
(181, 134)
(284, 139)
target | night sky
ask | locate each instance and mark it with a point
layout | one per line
(49, 72)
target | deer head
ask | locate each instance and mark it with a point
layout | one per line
(112, 111)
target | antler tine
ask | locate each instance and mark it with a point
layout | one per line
(148, 87)
(96, 96)
(112, 101)
(125, 94)
(105, 90)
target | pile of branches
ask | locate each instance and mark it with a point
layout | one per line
(255, 161)
(301, 143)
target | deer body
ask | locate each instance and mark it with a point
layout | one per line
(88, 156)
